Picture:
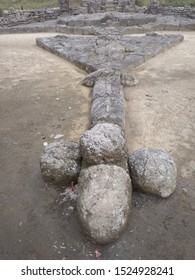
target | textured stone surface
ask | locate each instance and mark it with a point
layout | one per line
(103, 74)
(104, 202)
(108, 109)
(16, 17)
(186, 12)
(107, 81)
(104, 143)
(129, 80)
(107, 88)
(107, 105)
(153, 171)
(116, 52)
(99, 23)
(106, 19)
(64, 6)
(61, 163)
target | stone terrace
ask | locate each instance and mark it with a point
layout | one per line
(104, 23)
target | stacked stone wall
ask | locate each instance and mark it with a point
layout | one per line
(14, 17)
(188, 12)
(155, 8)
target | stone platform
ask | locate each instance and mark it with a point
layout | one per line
(121, 23)
(106, 19)
(114, 52)
(106, 24)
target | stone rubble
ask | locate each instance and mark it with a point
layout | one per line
(14, 17)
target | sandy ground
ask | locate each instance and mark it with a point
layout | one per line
(41, 96)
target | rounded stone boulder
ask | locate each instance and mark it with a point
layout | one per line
(104, 143)
(153, 171)
(61, 162)
(104, 202)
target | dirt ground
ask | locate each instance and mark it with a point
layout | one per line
(41, 96)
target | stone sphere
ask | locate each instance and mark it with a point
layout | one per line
(61, 163)
(153, 171)
(104, 202)
(104, 143)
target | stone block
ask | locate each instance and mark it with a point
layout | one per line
(108, 109)
(104, 143)
(104, 202)
(106, 88)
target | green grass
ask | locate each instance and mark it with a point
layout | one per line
(28, 4)
(175, 3)
(35, 4)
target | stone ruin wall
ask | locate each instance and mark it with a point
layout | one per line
(98, 6)
(14, 17)
(155, 8)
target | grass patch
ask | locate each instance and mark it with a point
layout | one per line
(142, 3)
(35, 4)
(28, 4)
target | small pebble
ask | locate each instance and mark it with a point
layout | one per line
(58, 136)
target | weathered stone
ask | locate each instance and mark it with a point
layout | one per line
(49, 11)
(106, 83)
(107, 52)
(91, 78)
(61, 163)
(5, 13)
(18, 17)
(93, 6)
(103, 202)
(154, 7)
(112, 50)
(153, 171)
(108, 109)
(11, 10)
(187, 24)
(64, 6)
(104, 143)
(105, 87)
(128, 80)
(185, 12)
